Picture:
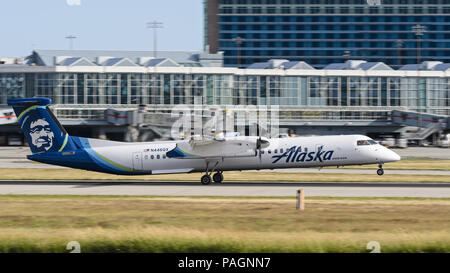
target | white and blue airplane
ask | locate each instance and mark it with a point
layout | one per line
(50, 144)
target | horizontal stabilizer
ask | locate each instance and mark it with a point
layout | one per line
(32, 101)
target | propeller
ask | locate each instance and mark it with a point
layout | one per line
(258, 147)
(260, 144)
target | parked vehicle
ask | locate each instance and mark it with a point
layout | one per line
(402, 143)
(444, 141)
(388, 142)
(15, 141)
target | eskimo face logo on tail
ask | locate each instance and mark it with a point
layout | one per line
(296, 154)
(41, 134)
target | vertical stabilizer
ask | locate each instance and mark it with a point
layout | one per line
(42, 130)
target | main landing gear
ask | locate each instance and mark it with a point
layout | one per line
(206, 179)
(217, 177)
(380, 171)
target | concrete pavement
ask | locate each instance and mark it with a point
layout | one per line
(350, 189)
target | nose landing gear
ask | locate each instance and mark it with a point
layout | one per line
(380, 171)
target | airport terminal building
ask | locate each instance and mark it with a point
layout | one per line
(343, 98)
(321, 32)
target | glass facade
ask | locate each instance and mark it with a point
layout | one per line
(303, 97)
(321, 32)
(11, 86)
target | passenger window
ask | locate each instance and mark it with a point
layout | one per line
(362, 142)
(269, 151)
(152, 157)
(281, 150)
(164, 156)
(275, 151)
(262, 152)
(157, 157)
(146, 157)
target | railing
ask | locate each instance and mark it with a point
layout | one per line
(423, 133)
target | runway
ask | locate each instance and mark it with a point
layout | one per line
(164, 188)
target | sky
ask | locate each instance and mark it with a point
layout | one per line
(99, 24)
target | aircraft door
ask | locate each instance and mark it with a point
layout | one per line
(137, 161)
(319, 147)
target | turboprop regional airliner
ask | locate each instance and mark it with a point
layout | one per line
(50, 143)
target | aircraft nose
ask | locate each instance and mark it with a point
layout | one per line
(390, 156)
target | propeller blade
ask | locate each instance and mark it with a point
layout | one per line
(259, 147)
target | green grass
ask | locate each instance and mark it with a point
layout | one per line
(220, 243)
(204, 224)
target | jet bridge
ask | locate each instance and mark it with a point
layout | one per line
(428, 124)
(142, 125)
(7, 116)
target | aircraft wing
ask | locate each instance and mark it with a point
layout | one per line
(206, 140)
(218, 148)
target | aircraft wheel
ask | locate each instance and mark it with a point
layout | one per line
(218, 177)
(206, 179)
(380, 171)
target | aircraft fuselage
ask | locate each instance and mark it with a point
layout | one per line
(151, 157)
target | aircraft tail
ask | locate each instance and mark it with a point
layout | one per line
(42, 130)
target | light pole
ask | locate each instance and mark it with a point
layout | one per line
(419, 31)
(71, 38)
(238, 40)
(154, 25)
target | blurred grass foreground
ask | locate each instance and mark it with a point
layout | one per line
(222, 224)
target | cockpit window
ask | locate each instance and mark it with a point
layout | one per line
(362, 142)
(365, 142)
